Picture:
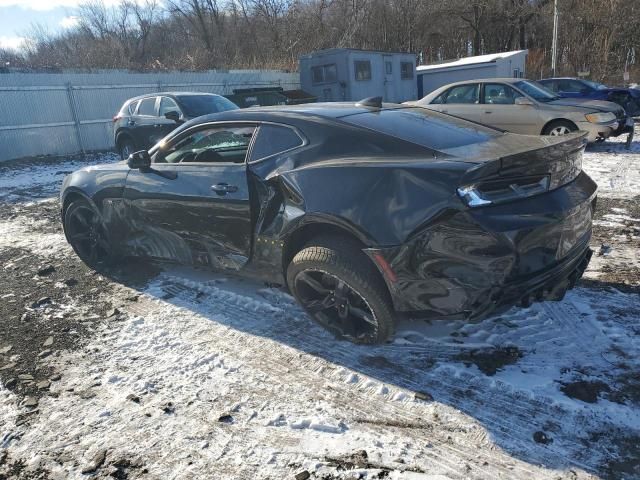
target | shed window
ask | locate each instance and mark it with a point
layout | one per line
(388, 67)
(324, 74)
(406, 70)
(363, 69)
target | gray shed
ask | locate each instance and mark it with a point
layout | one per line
(345, 74)
(495, 65)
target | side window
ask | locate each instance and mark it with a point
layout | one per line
(168, 105)
(210, 145)
(147, 107)
(132, 107)
(551, 85)
(363, 69)
(406, 70)
(499, 94)
(274, 139)
(575, 86)
(463, 94)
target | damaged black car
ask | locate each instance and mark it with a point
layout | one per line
(365, 211)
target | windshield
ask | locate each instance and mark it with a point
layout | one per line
(596, 85)
(197, 105)
(536, 91)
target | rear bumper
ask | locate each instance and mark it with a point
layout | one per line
(471, 263)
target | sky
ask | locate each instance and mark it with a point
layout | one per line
(18, 16)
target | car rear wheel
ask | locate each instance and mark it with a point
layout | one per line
(342, 290)
(559, 127)
(126, 148)
(87, 235)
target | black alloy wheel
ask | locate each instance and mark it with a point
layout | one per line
(339, 286)
(87, 235)
(335, 305)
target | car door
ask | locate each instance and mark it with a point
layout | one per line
(192, 206)
(462, 101)
(145, 120)
(500, 109)
(167, 125)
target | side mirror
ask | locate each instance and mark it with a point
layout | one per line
(139, 160)
(523, 101)
(172, 115)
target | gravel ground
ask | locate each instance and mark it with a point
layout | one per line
(161, 372)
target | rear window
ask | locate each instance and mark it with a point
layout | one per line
(198, 105)
(424, 127)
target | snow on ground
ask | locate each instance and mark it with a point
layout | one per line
(41, 177)
(206, 376)
(615, 169)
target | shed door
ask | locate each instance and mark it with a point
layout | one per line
(388, 78)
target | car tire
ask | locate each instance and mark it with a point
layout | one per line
(126, 148)
(87, 235)
(341, 289)
(559, 127)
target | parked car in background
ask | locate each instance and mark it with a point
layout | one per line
(627, 98)
(524, 106)
(267, 96)
(363, 210)
(145, 120)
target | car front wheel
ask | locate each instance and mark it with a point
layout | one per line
(87, 234)
(559, 127)
(342, 290)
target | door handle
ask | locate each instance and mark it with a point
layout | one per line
(224, 188)
(444, 111)
(488, 111)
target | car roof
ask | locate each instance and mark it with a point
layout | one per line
(170, 94)
(329, 110)
(293, 115)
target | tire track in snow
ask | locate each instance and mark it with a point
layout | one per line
(287, 363)
(516, 402)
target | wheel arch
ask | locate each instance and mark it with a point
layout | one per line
(554, 120)
(71, 195)
(121, 136)
(305, 231)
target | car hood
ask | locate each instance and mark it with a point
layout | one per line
(592, 105)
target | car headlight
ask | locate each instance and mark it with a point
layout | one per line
(603, 117)
(503, 190)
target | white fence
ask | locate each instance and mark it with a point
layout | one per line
(55, 114)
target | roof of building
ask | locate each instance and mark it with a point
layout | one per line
(329, 51)
(461, 62)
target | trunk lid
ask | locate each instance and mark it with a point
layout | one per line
(513, 156)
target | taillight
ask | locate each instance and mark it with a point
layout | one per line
(116, 118)
(503, 190)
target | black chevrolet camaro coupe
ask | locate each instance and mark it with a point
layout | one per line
(364, 210)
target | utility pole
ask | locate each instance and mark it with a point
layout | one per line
(554, 43)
